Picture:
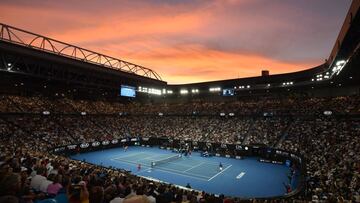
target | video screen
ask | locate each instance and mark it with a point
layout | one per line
(228, 92)
(127, 91)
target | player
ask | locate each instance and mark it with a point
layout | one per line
(186, 152)
(139, 167)
(220, 166)
(125, 148)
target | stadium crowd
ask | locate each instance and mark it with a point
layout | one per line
(332, 148)
(293, 105)
(29, 173)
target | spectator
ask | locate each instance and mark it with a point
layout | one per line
(54, 188)
(38, 179)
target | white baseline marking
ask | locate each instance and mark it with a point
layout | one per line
(219, 172)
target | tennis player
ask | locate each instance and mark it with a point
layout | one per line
(220, 166)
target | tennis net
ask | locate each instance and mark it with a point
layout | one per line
(166, 160)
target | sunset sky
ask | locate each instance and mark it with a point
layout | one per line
(191, 40)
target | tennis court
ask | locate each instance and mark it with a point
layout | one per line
(246, 178)
(185, 166)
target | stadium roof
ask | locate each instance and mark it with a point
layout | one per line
(61, 61)
(35, 41)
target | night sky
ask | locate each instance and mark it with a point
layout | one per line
(191, 40)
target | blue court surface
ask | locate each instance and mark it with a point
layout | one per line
(247, 178)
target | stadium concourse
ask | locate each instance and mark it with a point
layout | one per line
(330, 144)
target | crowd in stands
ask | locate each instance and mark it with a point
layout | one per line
(279, 106)
(29, 173)
(332, 148)
(28, 176)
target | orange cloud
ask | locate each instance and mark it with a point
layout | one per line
(192, 63)
(121, 29)
(183, 44)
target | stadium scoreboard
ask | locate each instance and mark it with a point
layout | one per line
(127, 91)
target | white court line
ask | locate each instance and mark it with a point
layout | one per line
(128, 155)
(171, 163)
(178, 172)
(128, 162)
(240, 175)
(186, 165)
(119, 159)
(180, 159)
(160, 158)
(219, 172)
(134, 154)
(207, 162)
(167, 170)
(144, 169)
(150, 159)
(135, 162)
(194, 167)
(212, 163)
(171, 171)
